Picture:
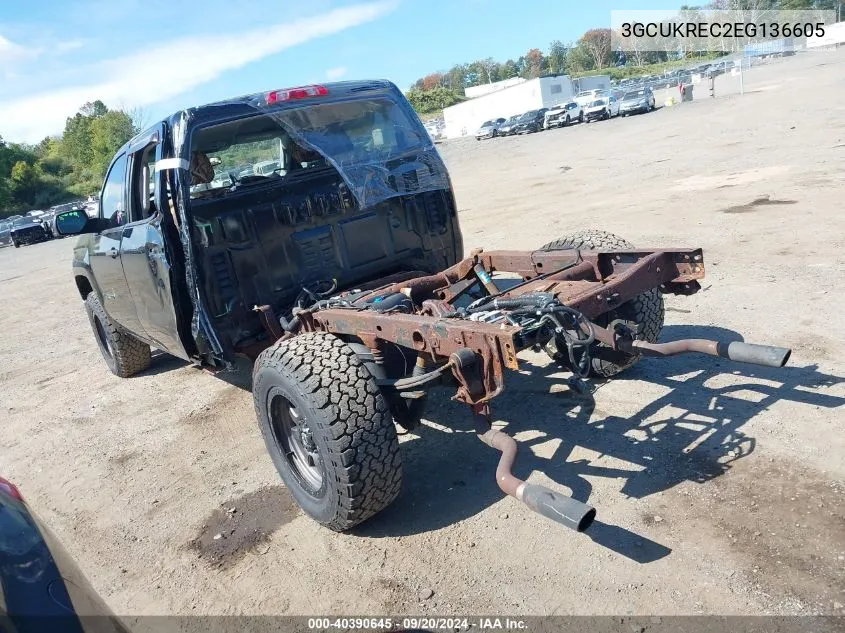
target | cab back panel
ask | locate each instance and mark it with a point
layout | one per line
(262, 246)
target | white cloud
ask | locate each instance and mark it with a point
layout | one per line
(333, 74)
(11, 53)
(68, 45)
(167, 70)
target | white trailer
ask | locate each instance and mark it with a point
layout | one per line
(465, 118)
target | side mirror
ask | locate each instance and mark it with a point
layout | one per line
(75, 223)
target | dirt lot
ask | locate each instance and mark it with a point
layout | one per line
(719, 487)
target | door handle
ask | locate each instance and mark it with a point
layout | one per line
(113, 253)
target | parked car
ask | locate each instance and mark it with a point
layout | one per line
(563, 115)
(266, 167)
(28, 230)
(42, 587)
(5, 232)
(531, 121)
(508, 127)
(199, 276)
(435, 128)
(489, 129)
(603, 108)
(586, 97)
(641, 100)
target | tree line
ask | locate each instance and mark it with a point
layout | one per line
(590, 54)
(65, 167)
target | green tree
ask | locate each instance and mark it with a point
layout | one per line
(456, 79)
(535, 63)
(5, 195)
(56, 169)
(580, 59)
(429, 101)
(25, 179)
(76, 140)
(94, 109)
(508, 70)
(596, 44)
(108, 133)
(557, 59)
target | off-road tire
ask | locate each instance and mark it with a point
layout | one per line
(124, 354)
(645, 310)
(349, 423)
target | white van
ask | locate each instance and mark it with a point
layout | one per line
(586, 97)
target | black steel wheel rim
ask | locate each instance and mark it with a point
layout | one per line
(295, 441)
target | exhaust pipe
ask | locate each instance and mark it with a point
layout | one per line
(557, 507)
(755, 354)
(765, 355)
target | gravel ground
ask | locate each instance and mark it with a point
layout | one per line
(719, 487)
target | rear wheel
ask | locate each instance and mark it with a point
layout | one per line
(17, 244)
(328, 429)
(644, 312)
(124, 354)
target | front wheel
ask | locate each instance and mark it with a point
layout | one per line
(328, 429)
(645, 312)
(580, 117)
(124, 354)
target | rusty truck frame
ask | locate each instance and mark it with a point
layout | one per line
(546, 299)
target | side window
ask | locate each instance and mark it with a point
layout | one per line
(142, 185)
(112, 199)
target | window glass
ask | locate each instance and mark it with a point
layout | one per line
(143, 186)
(112, 205)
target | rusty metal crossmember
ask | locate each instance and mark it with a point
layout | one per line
(591, 282)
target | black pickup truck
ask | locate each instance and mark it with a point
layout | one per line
(193, 248)
(313, 231)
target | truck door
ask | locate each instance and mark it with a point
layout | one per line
(105, 254)
(142, 248)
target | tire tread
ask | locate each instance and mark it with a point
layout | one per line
(364, 456)
(130, 355)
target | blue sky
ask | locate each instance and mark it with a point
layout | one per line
(163, 55)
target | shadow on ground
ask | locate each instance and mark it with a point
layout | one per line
(162, 362)
(693, 432)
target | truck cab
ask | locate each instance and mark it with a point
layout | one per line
(251, 202)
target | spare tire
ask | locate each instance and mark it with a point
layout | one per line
(645, 311)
